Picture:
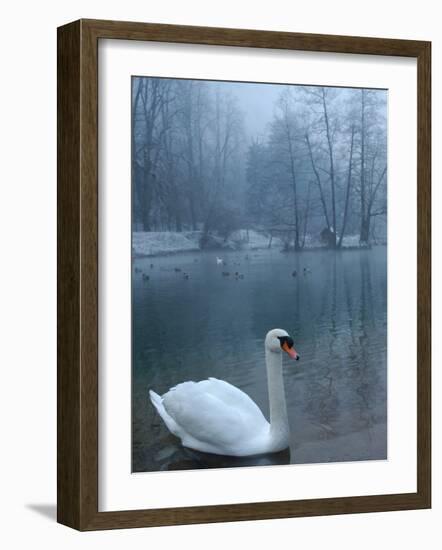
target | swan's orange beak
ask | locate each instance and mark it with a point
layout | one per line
(290, 351)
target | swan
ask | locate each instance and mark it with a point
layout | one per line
(219, 261)
(212, 416)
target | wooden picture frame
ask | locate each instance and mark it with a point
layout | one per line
(78, 274)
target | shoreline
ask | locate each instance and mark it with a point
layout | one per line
(150, 245)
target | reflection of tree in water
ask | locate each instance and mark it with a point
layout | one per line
(362, 369)
(345, 392)
(323, 402)
(365, 380)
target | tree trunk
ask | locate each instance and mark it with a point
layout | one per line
(306, 215)
(363, 236)
(365, 230)
(192, 213)
(332, 167)
(294, 180)
(318, 181)
(133, 149)
(347, 195)
(178, 223)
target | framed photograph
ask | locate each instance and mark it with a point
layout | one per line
(243, 274)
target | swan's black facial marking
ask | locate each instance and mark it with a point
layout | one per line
(286, 340)
(287, 345)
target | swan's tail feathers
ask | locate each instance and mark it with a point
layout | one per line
(157, 402)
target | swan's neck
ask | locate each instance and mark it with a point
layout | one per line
(279, 425)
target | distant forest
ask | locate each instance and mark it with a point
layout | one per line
(318, 172)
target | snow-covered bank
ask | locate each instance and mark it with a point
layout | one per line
(160, 243)
(252, 240)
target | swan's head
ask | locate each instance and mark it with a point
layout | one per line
(278, 340)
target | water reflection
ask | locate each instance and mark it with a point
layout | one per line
(211, 326)
(173, 457)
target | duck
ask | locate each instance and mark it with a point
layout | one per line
(213, 416)
(177, 270)
(145, 277)
(294, 273)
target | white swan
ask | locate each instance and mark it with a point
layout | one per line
(213, 416)
(219, 261)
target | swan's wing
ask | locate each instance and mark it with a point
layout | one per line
(232, 396)
(212, 413)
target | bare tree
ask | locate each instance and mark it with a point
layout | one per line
(288, 127)
(373, 163)
(226, 128)
(320, 166)
(318, 181)
(321, 101)
(348, 190)
(149, 98)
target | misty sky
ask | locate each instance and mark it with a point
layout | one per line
(257, 101)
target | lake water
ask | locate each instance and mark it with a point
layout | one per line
(214, 325)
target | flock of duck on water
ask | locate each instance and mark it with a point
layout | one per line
(219, 261)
